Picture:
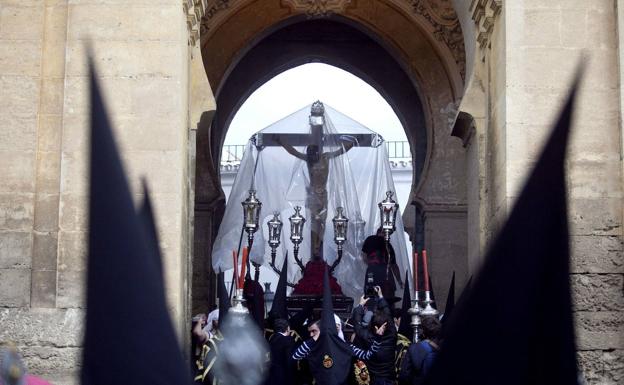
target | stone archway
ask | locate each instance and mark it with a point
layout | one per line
(411, 53)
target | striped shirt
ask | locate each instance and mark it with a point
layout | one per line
(303, 351)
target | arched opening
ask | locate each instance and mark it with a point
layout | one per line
(411, 74)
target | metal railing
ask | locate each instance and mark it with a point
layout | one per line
(233, 153)
(398, 150)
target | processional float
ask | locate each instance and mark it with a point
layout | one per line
(348, 222)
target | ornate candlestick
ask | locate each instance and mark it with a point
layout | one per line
(296, 234)
(275, 236)
(388, 209)
(340, 234)
(414, 312)
(428, 310)
(238, 309)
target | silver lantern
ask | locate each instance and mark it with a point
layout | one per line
(251, 215)
(340, 228)
(360, 231)
(296, 233)
(275, 235)
(388, 210)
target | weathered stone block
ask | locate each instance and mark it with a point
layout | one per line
(532, 66)
(45, 247)
(127, 22)
(43, 289)
(544, 104)
(56, 23)
(49, 133)
(595, 216)
(574, 28)
(15, 250)
(46, 212)
(73, 212)
(594, 140)
(14, 287)
(533, 27)
(20, 95)
(42, 327)
(17, 172)
(17, 211)
(72, 251)
(70, 289)
(74, 173)
(598, 102)
(602, 367)
(54, 53)
(140, 96)
(602, 28)
(21, 23)
(133, 133)
(157, 168)
(598, 292)
(583, 175)
(51, 361)
(20, 57)
(158, 59)
(52, 95)
(48, 172)
(18, 132)
(596, 254)
(599, 330)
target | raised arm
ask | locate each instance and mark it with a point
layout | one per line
(291, 150)
(303, 351)
(344, 148)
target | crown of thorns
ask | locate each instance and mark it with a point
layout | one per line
(317, 108)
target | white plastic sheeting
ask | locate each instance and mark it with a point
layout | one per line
(358, 179)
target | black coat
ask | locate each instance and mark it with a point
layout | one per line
(382, 363)
(282, 367)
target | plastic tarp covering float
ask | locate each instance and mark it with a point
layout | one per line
(351, 170)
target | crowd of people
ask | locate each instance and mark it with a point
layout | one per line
(379, 357)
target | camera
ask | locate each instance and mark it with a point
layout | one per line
(369, 288)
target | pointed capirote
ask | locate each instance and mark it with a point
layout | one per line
(279, 308)
(450, 299)
(405, 327)
(516, 325)
(129, 337)
(146, 215)
(330, 358)
(224, 298)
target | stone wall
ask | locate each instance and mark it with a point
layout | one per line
(142, 55)
(544, 42)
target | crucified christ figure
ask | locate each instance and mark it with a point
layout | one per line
(317, 162)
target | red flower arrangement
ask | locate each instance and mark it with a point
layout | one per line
(312, 281)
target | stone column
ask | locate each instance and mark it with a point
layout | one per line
(20, 104)
(544, 42)
(45, 245)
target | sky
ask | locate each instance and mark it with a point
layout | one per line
(293, 89)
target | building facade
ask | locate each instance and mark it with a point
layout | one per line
(475, 83)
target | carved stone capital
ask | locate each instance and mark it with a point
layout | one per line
(441, 17)
(194, 11)
(484, 13)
